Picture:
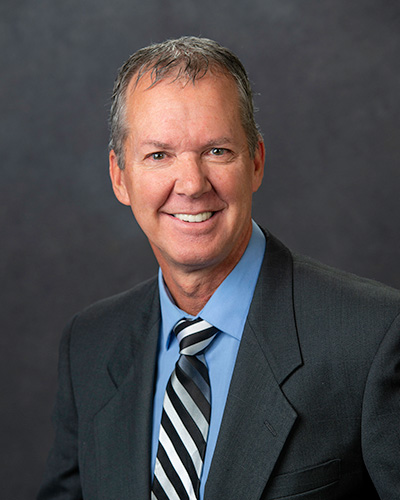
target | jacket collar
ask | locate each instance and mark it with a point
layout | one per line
(272, 314)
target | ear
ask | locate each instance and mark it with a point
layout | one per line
(118, 179)
(258, 162)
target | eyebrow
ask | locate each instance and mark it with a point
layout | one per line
(157, 144)
(208, 144)
(217, 141)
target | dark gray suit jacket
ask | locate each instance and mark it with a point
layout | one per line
(313, 411)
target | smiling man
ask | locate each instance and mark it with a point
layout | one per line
(243, 371)
(189, 177)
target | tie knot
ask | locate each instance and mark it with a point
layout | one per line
(194, 336)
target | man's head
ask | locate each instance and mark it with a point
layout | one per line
(188, 172)
(187, 58)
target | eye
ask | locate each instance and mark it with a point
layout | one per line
(157, 156)
(218, 151)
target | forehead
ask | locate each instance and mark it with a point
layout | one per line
(216, 82)
(184, 112)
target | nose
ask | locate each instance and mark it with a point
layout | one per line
(191, 178)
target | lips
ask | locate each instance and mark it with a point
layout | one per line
(201, 217)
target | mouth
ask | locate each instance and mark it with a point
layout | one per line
(201, 217)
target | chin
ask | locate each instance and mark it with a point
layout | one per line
(194, 261)
(188, 258)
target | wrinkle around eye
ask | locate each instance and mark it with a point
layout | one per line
(156, 159)
(150, 161)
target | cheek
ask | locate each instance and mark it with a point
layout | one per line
(237, 188)
(226, 181)
(149, 191)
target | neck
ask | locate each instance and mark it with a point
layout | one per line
(192, 289)
(191, 292)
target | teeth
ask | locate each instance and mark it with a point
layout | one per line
(194, 218)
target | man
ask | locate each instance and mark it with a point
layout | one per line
(291, 386)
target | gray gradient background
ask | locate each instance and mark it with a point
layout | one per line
(328, 78)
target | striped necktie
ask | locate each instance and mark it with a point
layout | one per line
(185, 416)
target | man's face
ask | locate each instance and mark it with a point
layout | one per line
(188, 174)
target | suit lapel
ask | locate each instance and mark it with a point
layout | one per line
(258, 418)
(123, 427)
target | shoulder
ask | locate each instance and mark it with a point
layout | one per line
(335, 303)
(100, 324)
(347, 310)
(312, 276)
(134, 300)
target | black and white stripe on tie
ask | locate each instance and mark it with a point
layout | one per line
(185, 417)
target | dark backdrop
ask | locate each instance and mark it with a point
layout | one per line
(327, 75)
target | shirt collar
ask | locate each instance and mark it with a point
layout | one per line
(227, 308)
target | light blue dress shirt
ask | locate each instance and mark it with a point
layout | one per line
(227, 310)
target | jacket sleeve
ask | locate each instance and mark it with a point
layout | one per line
(381, 416)
(62, 480)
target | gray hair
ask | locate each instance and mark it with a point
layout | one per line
(188, 57)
